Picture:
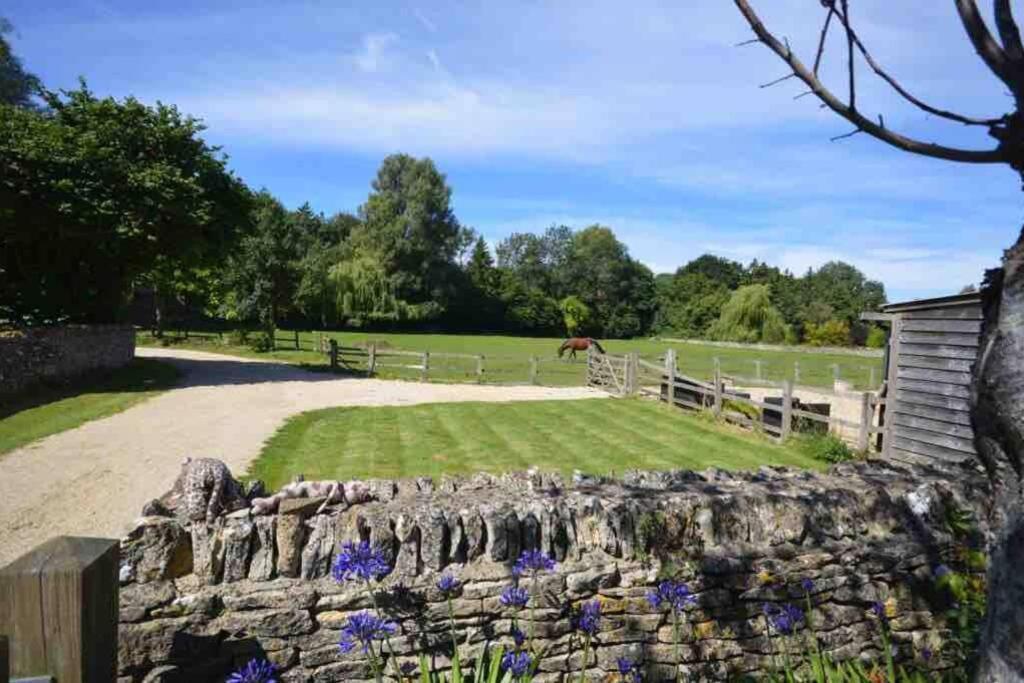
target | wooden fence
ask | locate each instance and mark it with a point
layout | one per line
(778, 416)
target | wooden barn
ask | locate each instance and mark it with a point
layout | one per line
(933, 344)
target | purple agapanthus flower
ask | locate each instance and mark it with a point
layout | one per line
(941, 571)
(447, 584)
(671, 594)
(517, 663)
(785, 619)
(807, 585)
(359, 561)
(588, 620)
(629, 670)
(513, 596)
(361, 629)
(518, 637)
(878, 608)
(927, 654)
(532, 562)
(255, 671)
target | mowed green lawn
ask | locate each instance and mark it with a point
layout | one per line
(596, 436)
(47, 410)
(507, 359)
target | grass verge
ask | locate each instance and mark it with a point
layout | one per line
(50, 409)
(596, 436)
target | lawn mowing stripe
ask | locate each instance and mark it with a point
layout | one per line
(554, 426)
(631, 439)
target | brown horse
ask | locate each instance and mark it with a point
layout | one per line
(574, 344)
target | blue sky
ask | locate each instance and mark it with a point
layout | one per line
(641, 116)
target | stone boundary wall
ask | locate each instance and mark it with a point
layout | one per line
(199, 599)
(47, 354)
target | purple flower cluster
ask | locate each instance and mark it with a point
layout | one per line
(807, 585)
(360, 561)
(785, 619)
(588, 620)
(629, 670)
(879, 611)
(514, 596)
(518, 637)
(517, 663)
(363, 628)
(671, 594)
(532, 562)
(255, 671)
(448, 584)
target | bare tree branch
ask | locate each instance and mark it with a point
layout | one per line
(895, 85)
(987, 48)
(993, 156)
(846, 135)
(821, 40)
(850, 55)
(748, 42)
(777, 81)
(1008, 32)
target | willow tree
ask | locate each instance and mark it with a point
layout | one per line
(750, 317)
(998, 392)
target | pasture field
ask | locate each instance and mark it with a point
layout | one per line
(507, 359)
(51, 409)
(596, 436)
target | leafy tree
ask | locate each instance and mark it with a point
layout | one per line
(96, 194)
(17, 86)
(691, 303)
(749, 316)
(264, 272)
(408, 224)
(528, 309)
(539, 260)
(724, 272)
(876, 338)
(575, 314)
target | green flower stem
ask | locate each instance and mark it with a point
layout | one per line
(533, 611)
(586, 656)
(451, 628)
(675, 644)
(387, 639)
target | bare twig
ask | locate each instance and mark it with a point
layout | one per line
(777, 81)
(803, 94)
(846, 135)
(850, 57)
(821, 40)
(752, 41)
(895, 85)
(993, 156)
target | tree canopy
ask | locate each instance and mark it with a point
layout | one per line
(17, 86)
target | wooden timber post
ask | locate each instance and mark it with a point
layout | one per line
(796, 372)
(425, 373)
(871, 377)
(297, 347)
(5, 661)
(480, 369)
(866, 414)
(533, 369)
(59, 610)
(670, 375)
(633, 373)
(787, 410)
(835, 372)
(717, 379)
(333, 350)
(371, 361)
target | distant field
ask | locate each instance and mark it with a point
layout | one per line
(507, 359)
(595, 436)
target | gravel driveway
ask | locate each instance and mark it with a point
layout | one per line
(94, 480)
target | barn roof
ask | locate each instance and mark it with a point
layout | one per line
(972, 298)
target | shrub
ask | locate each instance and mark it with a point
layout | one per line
(238, 338)
(829, 333)
(876, 338)
(262, 343)
(828, 447)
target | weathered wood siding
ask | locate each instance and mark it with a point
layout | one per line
(933, 351)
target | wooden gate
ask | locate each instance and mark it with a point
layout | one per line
(611, 373)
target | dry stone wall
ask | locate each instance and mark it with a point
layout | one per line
(199, 599)
(47, 354)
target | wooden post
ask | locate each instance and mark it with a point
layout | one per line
(865, 421)
(297, 340)
(371, 362)
(871, 377)
(670, 374)
(787, 410)
(426, 366)
(757, 369)
(334, 353)
(796, 372)
(59, 608)
(5, 661)
(533, 369)
(480, 369)
(835, 372)
(717, 379)
(633, 376)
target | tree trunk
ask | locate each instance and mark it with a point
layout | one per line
(158, 314)
(998, 416)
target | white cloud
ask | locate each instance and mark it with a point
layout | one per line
(370, 58)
